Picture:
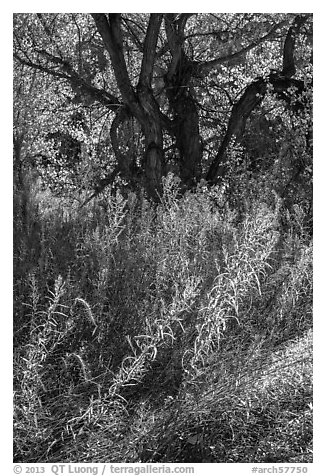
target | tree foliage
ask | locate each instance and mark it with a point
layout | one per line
(155, 93)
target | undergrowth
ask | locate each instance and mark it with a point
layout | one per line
(174, 333)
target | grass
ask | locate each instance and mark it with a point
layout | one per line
(175, 333)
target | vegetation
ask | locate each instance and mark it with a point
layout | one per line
(162, 238)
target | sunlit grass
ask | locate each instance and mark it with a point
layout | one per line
(178, 333)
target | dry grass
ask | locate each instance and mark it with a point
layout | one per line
(179, 333)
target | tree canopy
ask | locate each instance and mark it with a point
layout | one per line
(130, 97)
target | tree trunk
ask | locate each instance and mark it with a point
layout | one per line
(152, 129)
(153, 168)
(141, 103)
(186, 121)
(251, 98)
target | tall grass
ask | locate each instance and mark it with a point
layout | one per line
(180, 332)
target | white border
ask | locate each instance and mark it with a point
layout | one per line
(318, 8)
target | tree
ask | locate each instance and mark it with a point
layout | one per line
(185, 83)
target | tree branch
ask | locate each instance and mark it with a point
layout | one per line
(250, 99)
(67, 73)
(150, 43)
(44, 25)
(182, 20)
(132, 35)
(40, 67)
(101, 186)
(289, 46)
(204, 67)
(173, 42)
(111, 34)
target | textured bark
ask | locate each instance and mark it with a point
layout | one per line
(141, 102)
(182, 103)
(153, 169)
(186, 130)
(153, 133)
(124, 159)
(149, 50)
(110, 31)
(151, 123)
